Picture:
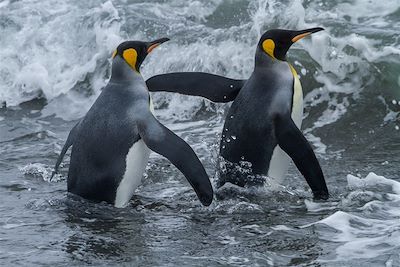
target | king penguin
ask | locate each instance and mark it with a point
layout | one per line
(262, 127)
(112, 143)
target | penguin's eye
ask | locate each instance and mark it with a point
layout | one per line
(130, 56)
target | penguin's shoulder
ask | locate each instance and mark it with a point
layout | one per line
(123, 96)
(278, 82)
(274, 76)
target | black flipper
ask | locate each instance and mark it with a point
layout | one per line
(68, 143)
(292, 141)
(164, 142)
(213, 87)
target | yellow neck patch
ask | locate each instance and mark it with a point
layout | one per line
(294, 72)
(130, 56)
(269, 47)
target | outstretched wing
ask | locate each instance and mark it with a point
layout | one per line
(213, 87)
(70, 140)
(292, 141)
(164, 142)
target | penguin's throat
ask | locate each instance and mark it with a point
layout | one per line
(121, 71)
(262, 59)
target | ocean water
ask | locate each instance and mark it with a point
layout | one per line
(54, 61)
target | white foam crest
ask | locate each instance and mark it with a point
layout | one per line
(194, 9)
(4, 3)
(345, 62)
(319, 147)
(267, 14)
(40, 170)
(316, 97)
(82, 46)
(372, 230)
(281, 227)
(262, 13)
(175, 107)
(223, 58)
(228, 57)
(341, 74)
(345, 70)
(360, 9)
(355, 11)
(51, 49)
(177, 10)
(372, 180)
(330, 115)
(362, 238)
(333, 113)
(319, 206)
(243, 205)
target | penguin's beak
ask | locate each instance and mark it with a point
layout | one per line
(154, 44)
(301, 34)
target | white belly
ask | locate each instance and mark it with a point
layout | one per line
(136, 162)
(279, 163)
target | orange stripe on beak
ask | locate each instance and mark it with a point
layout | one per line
(152, 47)
(298, 37)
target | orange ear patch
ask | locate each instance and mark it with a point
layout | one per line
(269, 47)
(130, 56)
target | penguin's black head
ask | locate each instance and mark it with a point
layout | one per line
(277, 42)
(134, 52)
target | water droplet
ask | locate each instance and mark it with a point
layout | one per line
(242, 157)
(233, 137)
(231, 86)
(228, 140)
(394, 102)
(223, 135)
(224, 96)
(226, 129)
(397, 127)
(231, 116)
(223, 147)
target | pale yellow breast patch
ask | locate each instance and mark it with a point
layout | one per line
(297, 107)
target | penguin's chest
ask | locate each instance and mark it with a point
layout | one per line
(297, 103)
(279, 162)
(136, 162)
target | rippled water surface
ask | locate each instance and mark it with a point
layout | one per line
(54, 60)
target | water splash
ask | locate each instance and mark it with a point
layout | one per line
(341, 61)
(49, 60)
(371, 230)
